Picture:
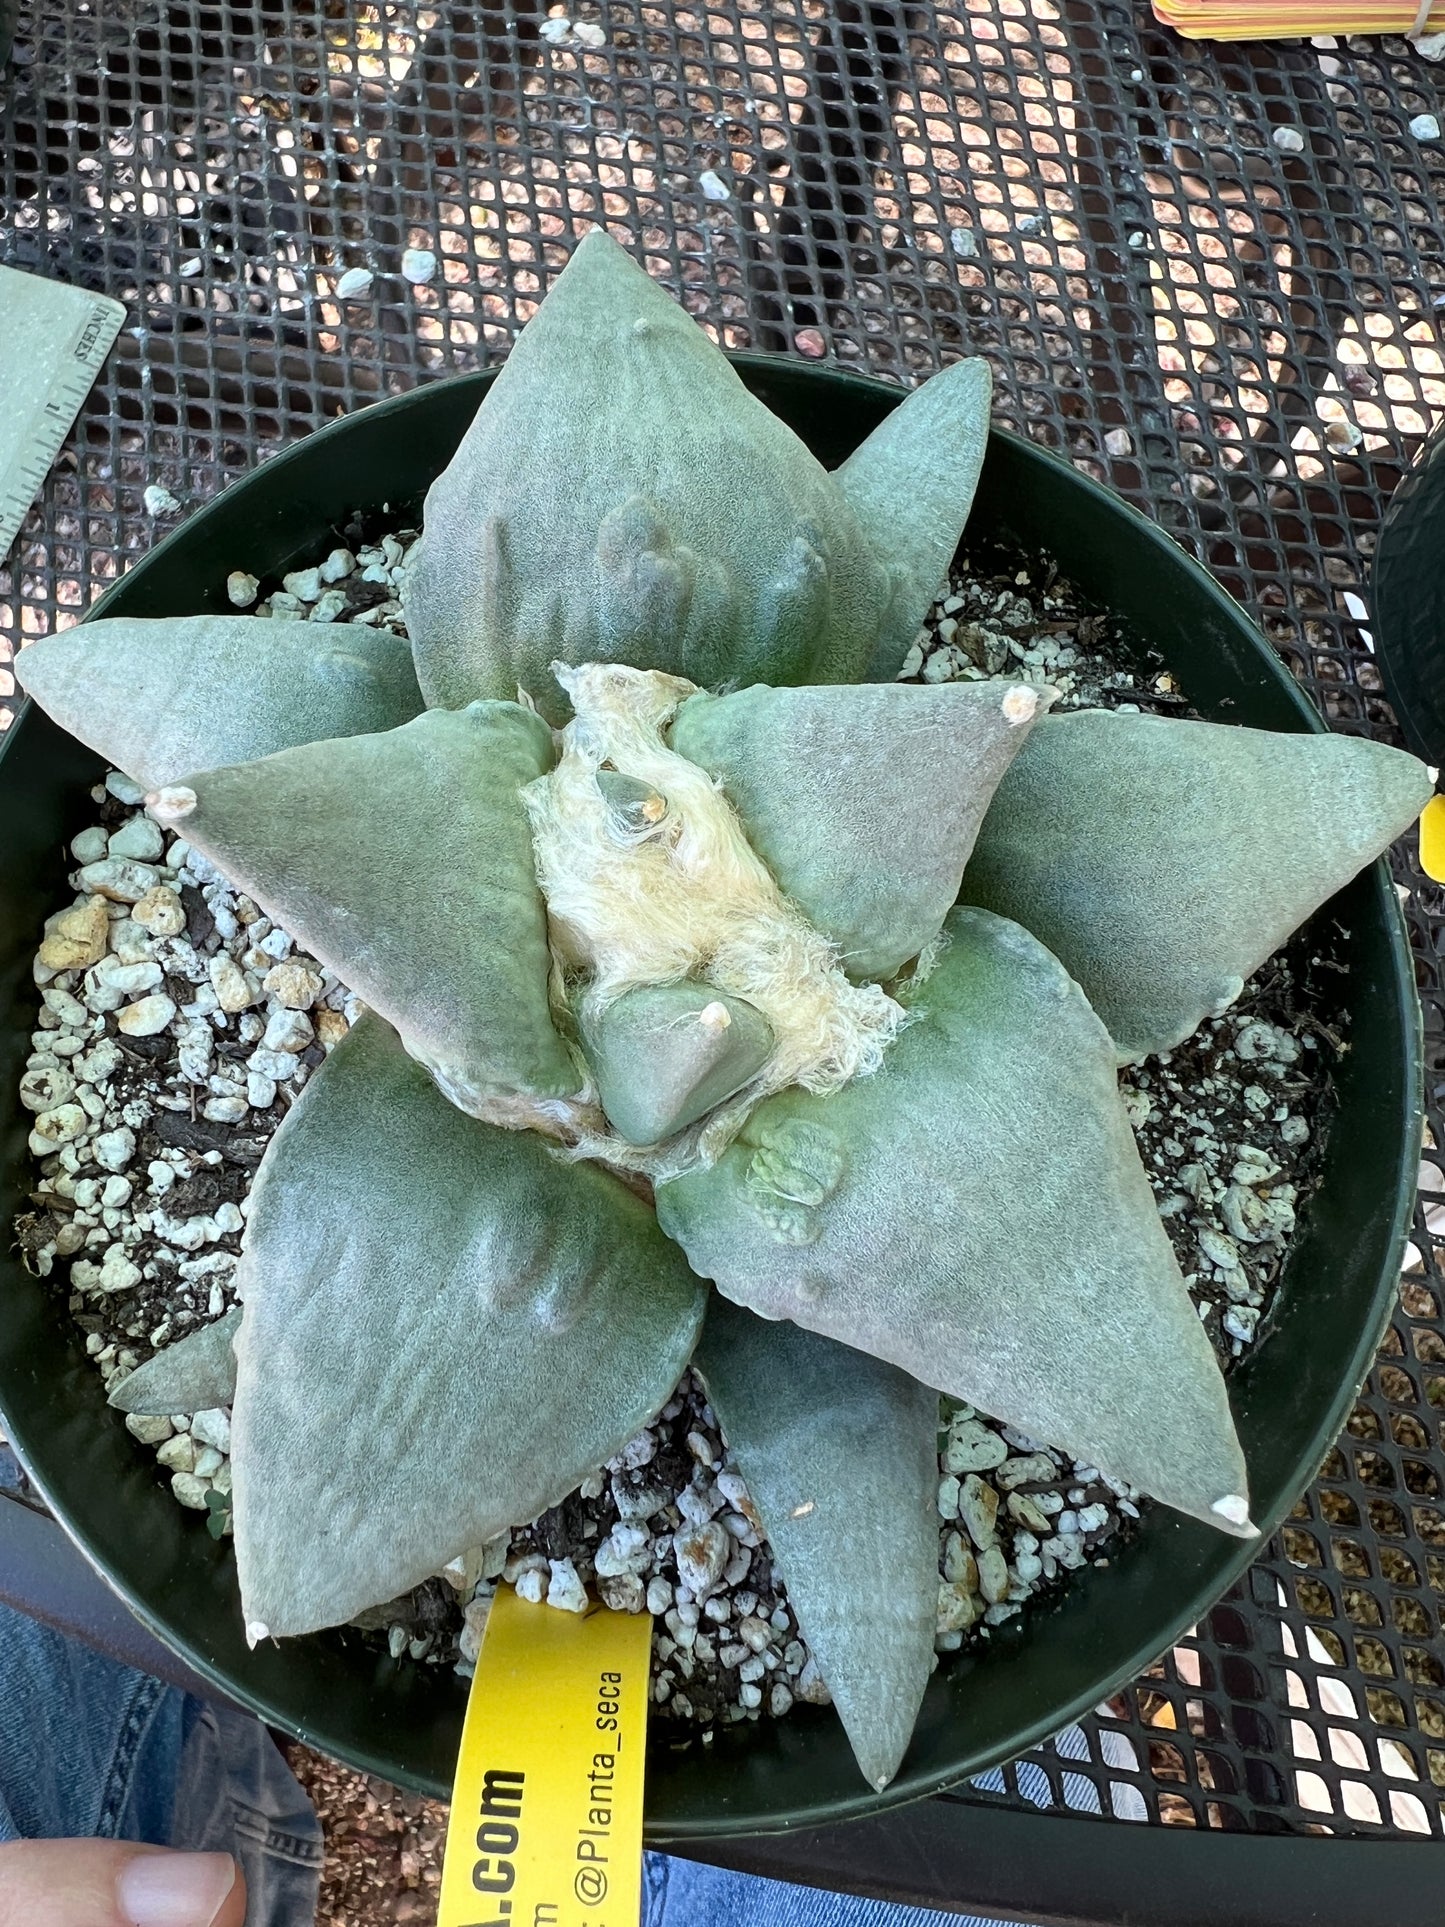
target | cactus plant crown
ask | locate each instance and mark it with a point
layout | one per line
(648, 871)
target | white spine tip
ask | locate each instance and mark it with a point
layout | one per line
(256, 1631)
(1432, 773)
(1232, 1507)
(715, 1017)
(1020, 706)
(170, 804)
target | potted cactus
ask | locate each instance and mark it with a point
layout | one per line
(721, 990)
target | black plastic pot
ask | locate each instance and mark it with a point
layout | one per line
(1291, 1397)
(1408, 594)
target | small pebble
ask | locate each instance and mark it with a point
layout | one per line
(241, 589)
(287, 1030)
(149, 1430)
(993, 1575)
(76, 938)
(178, 1454)
(702, 1553)
(1425, 127)
(355, 284)
(964, 243)
(714, 187)
(119, 879)
(278, 1064)
(590, 34)
(972, 1447)
(565, 1589)
(140, 838)
(148, 1017)
(114, 1150)
(160, 912)
(418, 265)
(127, 979)
(230, 984)
(159, 501)
(295, 985)
(1289, 140)
(190, 1490)
(978, 1508)
(532, 1585)
(90, 846)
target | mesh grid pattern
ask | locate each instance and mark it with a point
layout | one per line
(1242, 338)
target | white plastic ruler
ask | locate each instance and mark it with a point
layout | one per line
(53, 343)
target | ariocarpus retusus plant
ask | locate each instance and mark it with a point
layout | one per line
(840, 970)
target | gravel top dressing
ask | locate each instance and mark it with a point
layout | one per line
(179, 1024)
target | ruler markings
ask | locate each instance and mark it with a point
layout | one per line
(54, 341)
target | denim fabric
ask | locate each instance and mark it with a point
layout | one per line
(92, 1749)
(679, 1893)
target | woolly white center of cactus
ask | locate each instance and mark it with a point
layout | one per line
(679, 891)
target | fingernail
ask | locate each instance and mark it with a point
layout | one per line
(174, 1889)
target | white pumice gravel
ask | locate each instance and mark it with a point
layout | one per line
(418, 265)
(177, 1025)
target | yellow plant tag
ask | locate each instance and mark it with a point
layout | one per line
(1432, 839)
(546, 1819)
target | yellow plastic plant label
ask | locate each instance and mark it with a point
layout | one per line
(546, 1818)
(1432, 839)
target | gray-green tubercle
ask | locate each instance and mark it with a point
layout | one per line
(195, 1374)
(865, 802)
(1163, 861)
(977, 1214)
(840, 1454)
(448, 1324)
(445, 1330)
(621, 497)
(668, 1054)
(159, 698)
(404, 862)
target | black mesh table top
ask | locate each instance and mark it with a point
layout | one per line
(1213, 277)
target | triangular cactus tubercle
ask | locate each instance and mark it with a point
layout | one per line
(404, 862)
(864, 802)
(976, 1213)
(504, 1322)
(160, 698)
(840, 1455)
(1163, 861)
(622, 497)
